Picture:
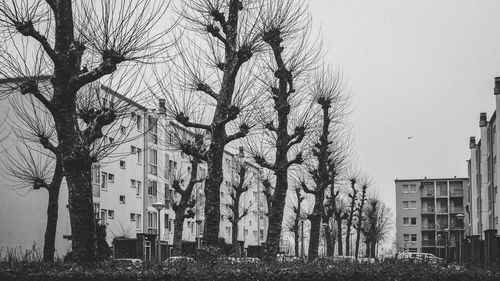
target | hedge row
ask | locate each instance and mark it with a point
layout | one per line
(261, 271)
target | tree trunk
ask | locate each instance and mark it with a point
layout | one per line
(339, 236)
(296, 236)
(236, 245)
(276, 215)
(315, 219)
(212, 188)
(330, 241)
(78, 175)
(358, 238)
(178, 229)
(368, 251)
(50, 230)
(373, 253)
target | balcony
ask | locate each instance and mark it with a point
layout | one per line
(428, 226)
(456, 210)
(456, 192)
(427, 194)
(428, 210)
(442, 210)
(428, 243)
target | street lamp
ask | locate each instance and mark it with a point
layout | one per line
(460, 220)
(159, 206)
(198, 223)
(446, 234)
(302, 220)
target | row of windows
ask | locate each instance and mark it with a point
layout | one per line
(409, 188)
(409, 221)
(409, 204)
(410, 237)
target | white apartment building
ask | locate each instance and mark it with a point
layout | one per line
(135, 174)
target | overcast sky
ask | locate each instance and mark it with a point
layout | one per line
(422, 69)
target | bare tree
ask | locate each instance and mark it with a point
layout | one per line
(340, 213)
(360, 209)
(77, 44)
(376, 225)
(290, 55)
(293, 217)
(353, 196)
(209, 88)
(238, 211)
(328, 95)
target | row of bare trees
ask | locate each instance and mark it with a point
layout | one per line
(233, 70)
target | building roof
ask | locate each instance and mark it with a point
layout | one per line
(431, 179)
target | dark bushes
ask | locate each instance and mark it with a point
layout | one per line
(286, 271)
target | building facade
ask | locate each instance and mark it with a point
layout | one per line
(140, 163)
(430, 214)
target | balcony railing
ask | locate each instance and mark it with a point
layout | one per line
(428, 243)
(428, 226)
(427, 193)
(427, 210)
(442, 210)
(457, 210)
(456, 192)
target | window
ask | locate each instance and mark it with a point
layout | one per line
(406, 237)
(123, 130)
(153, 129)
(111, 178)
(405, 204)
(153, 162)
(122, 199)
(138, 189)
(152, 187)
(414, 237)
(96, 210)
(228, 231)
(104, 180)
(221, 194)
(406, 221)
(262, 234)
(111, 214)
(132, 217)
(228, 184)
(138, 221)
(96, 173)
(413, 221)
(122, 164)
(152, 222)
(255, 234)
(139, 156)
(255, 195)
(250, 223)
(104, 216)
(133, 149)
(139, 122)
(166, 221)
(413, 204)
(132, 183)
(413, 188)
(222, 217)
(246, 232)
(405, 188)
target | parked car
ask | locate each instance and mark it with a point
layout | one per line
(233, 260)
(178, 259)
(128, 262)
(420, 257)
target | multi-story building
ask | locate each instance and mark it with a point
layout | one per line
(430, 214)
(483, 176)
(140, 164)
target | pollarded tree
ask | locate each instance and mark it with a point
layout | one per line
(238, 212)
(34, 126)
(376, 225)
(340, 213)
(209, 88)
(353, 177)
(79, 43)
(332, 104)
(360, 209)
(293, 217)
(290, 55)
